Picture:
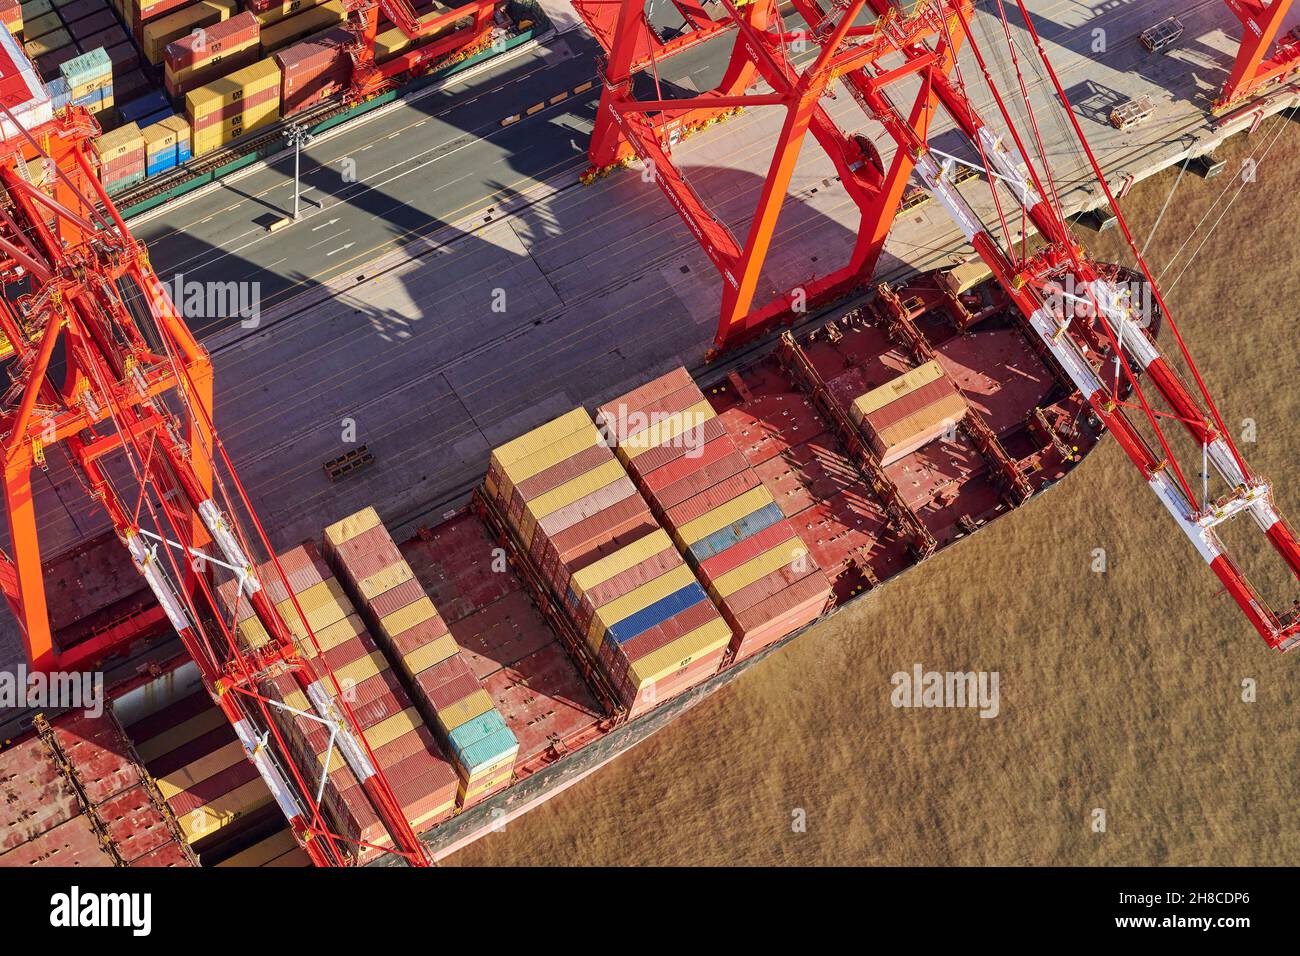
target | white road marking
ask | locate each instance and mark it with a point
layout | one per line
(341, 249)
(323, 225)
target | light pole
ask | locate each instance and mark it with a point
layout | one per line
(298, 137)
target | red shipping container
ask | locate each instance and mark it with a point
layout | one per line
(219, 784)
(312, 70)
(701, 480)
(686, 465)
(619, 490)
(418, 636)
(92, 25)
(134, 824)
(813, 588)
(620, 584)
(394, 599)
(431, 678)
(454, 690)
(711, 569)
(687, 445)
(670, 404)
(422, 784)
(769, 584)
(592, 551)
(411, 742)
(372, 541)
(170, 716)
(569, 542)
(188, 52)
(715, 496)
(348, 652)
(71, 12)
(157, 9)
(643, 395)
(664, 633)
(191, 751)
(551, 478)
(212, 69)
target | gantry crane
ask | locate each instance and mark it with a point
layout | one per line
(878, 52)
(132, 407)
(1254, 68)
(369, 77)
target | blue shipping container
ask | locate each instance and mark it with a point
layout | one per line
(734, 533)
(144, 106)
(156, 117)
(165, 162)
(657, 613)
(474, 730)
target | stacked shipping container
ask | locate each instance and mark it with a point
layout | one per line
(909, 411)
(588, 531)
(225, 47)
(166, 143)
(421, 778)
(121, 157)
(279, 850)
(419, 642)
(157, 33)
(313, 70)
(280, 33)
(238, 103)
(199, 767)
(721, 516)
(11, 15)
(87, 81)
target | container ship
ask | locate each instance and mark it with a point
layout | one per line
(361, 698)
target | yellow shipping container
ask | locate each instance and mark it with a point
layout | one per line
(280, 34)
(120, 142)
(484, 782)
(47, 44)
(230, 89)
(384, 579)
(173, 737)
(571, 491)
(158, 138)
(755, 568)
(667, 429)
(368, 666)
(351, 526)
(332, 635)
(390, 729)
(638, 599)
(539, 437)
(723, 515)
(210, 67)
(896, 388)
(621, 560)
(286, 8)
(224, 809)
(264, 851)
(494, 769)
(403, 619)
(253, 633)
(467, 708)
(426, 819)
(160, 31)
(435, 652)
(204, 141)
(43, 25)
(552, 454)
(199, 770)
(682, 652)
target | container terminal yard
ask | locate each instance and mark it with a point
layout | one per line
(533, 432)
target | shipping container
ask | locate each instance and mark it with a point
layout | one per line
(275, 36)
(159, 32)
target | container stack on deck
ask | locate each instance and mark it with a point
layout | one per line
(238, 103)
(313, 70)
(909, 411)
(415, 636)
(85, 80)
(11, 15)
(599, 549)
(422, 779)
(279, 849)
(288, 30)
(157, 33)
(121, 157)
(199, 767)
(720, 514)
(225, 47)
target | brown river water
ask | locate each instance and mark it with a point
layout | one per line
(1120, 691)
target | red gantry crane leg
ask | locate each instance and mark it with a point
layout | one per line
(1261, 20)
(1081, 314)
(133, 409)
